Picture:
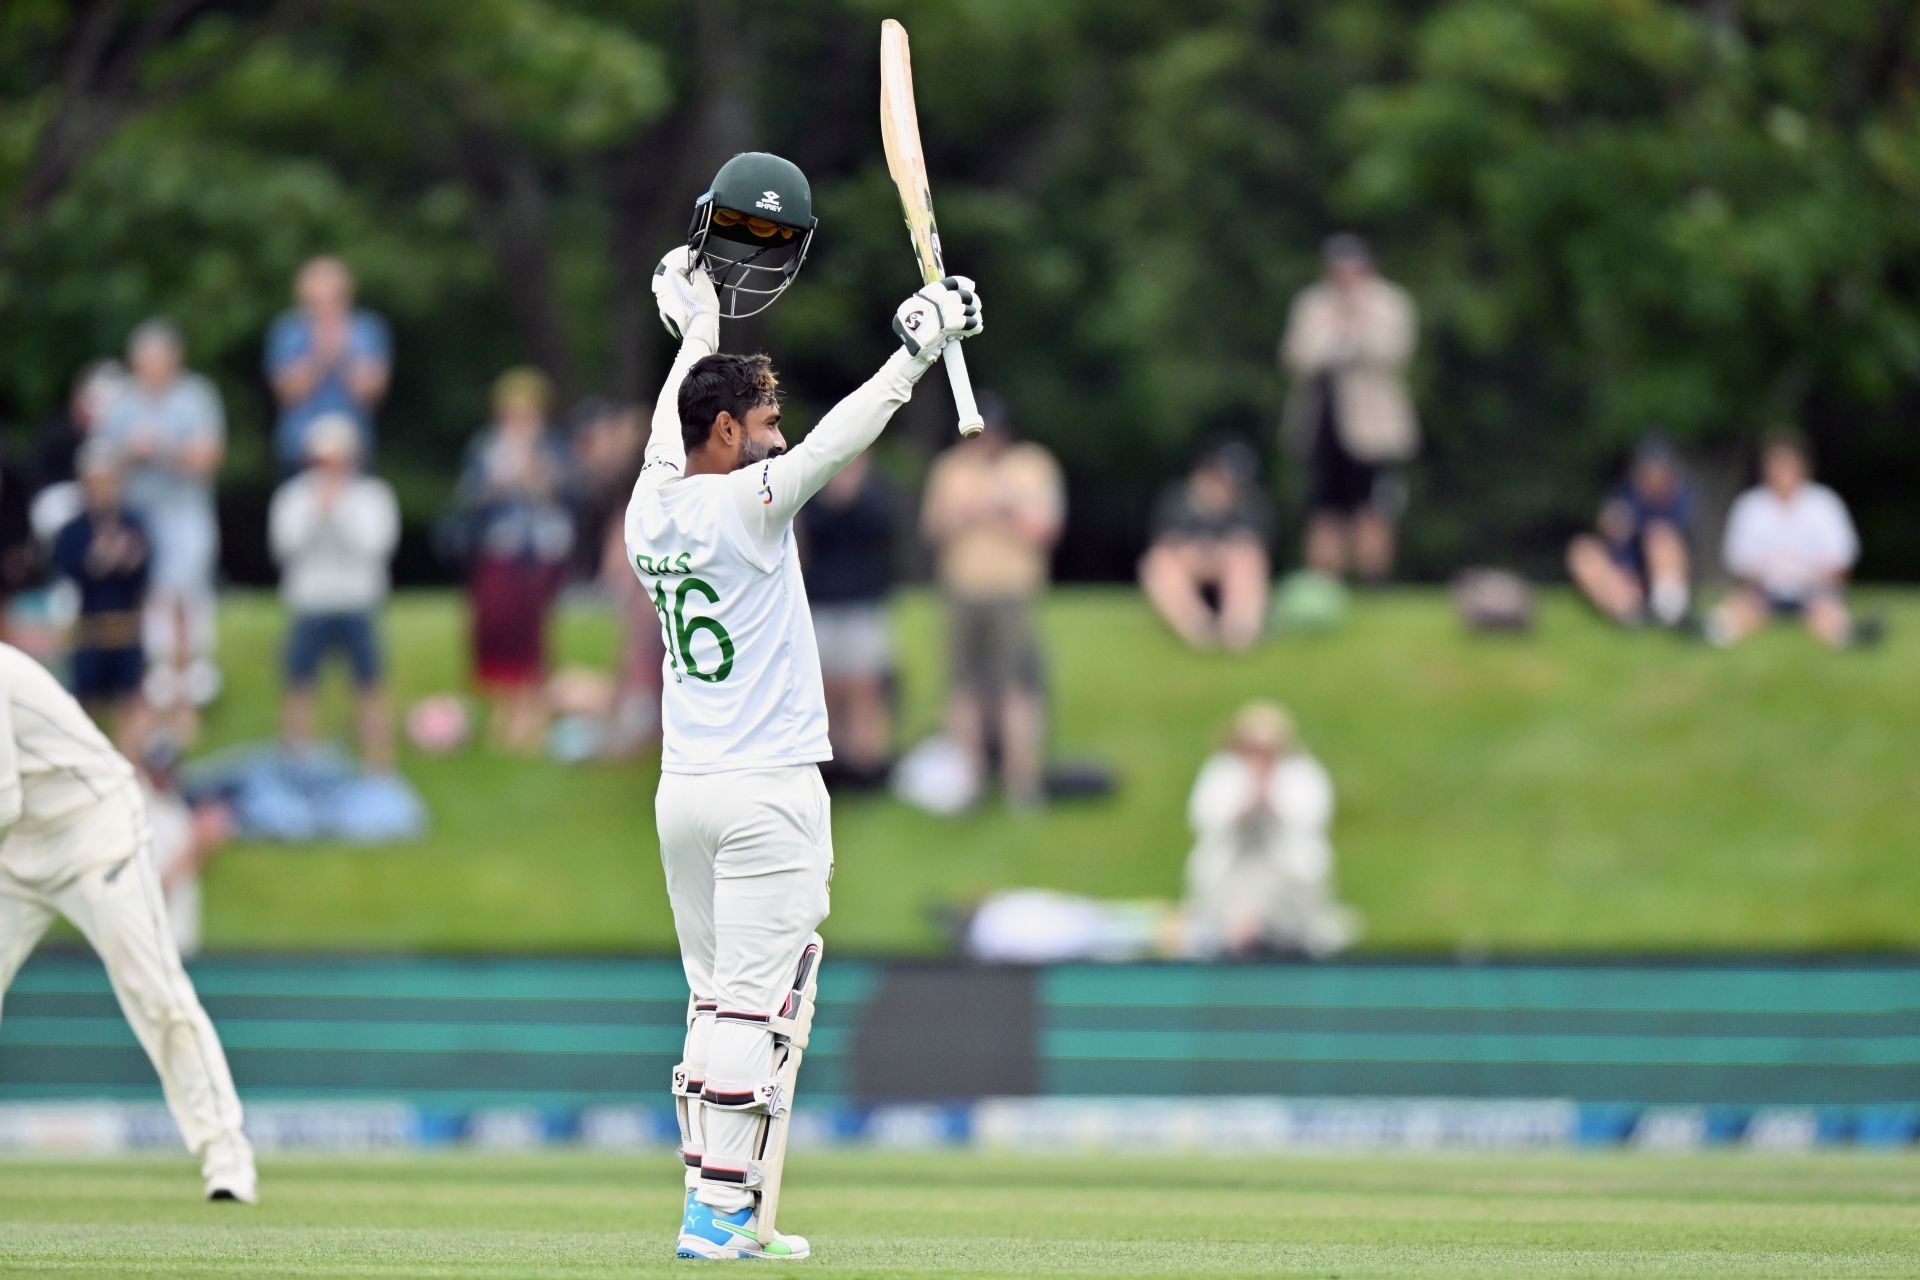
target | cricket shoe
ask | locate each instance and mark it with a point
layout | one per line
(706, 1232)
(234, 1182)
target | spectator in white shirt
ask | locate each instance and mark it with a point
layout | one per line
(1260, 877)
(333, 531)
(1789, 544)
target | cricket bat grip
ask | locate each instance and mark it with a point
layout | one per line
(971, 423)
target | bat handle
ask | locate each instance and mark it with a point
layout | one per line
(971, 423)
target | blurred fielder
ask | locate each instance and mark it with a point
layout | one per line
(76, 844)
(742, 813)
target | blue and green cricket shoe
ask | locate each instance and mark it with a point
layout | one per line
(705, 1232)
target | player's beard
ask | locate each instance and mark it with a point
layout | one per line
(752, 451)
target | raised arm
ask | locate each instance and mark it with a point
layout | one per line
(768, 496)
(691, 310)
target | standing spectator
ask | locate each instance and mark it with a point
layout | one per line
(513, 496)
(608, 440)
(1348, 341)
(1260, 877)
(168, 427)
(57, 497)
(333, 531)
(104, 551)
(326, 356)
(1638, 565)
(1790, 544)
(1210, 536)
(993, 510)
(847, 534)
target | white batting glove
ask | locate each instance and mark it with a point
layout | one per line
(686, 297)
(947, 310)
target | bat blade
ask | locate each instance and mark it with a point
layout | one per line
(907, 163)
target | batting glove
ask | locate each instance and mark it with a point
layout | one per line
(946, 310)
(686, 297)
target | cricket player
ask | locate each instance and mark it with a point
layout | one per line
(75, 844)
(742, 812)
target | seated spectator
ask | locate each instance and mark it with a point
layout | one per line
(170, 431)
(1790, 544)
(847, 536)
(326, 356)
(608, 439)
(104, 551)
(184, 838)
(1206, 571)
(333, 531)
(513, 495)
(1260, 877)
(1637, 565)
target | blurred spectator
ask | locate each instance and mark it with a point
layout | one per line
(1260, 877)
(847, 534)
(19, 552)
(1206, 571)
(58, 496)
(993, 510)
(512, 493)
(326, 356)
(170, 432)
(1348, 341)
(104, 551)
(333, 530)
(184, 838)
(1790, 544)
(1638, 566)
(608, 440)
(57, 450)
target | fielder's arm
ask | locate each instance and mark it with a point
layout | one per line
(13, 795)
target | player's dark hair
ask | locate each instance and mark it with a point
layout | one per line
(720, 384)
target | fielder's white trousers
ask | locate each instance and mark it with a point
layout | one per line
(113, 897)
(748, 856)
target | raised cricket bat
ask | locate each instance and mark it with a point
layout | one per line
(900, 134)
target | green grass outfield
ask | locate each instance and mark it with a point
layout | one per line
(1581, 788)
(1602, 1214)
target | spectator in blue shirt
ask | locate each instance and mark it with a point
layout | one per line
(325, 356)
(1637, 567)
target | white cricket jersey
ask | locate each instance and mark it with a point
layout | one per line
(56, 768)
(716, 554)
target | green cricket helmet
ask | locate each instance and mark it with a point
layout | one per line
(752, 230)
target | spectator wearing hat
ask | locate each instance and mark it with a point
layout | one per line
(1790, 544)
(1636, 565)
(333, 531)
(1348, 341)
(326, 356)
(1206, 571)
(519, 532)
(104, 552)
(170, 431)
(1260, 877)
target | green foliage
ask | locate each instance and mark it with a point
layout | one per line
(1613, 213)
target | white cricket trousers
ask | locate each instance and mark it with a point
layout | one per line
(114, 899)
(748, 856)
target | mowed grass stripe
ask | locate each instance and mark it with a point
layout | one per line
(576, 1214)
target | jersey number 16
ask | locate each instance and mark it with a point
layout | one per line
(680, 630)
